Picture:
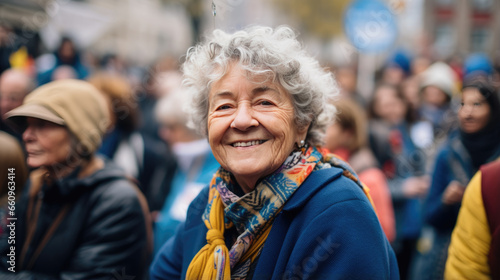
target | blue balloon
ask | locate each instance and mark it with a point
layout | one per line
(370, 26)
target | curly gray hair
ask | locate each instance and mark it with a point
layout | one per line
(262, 50)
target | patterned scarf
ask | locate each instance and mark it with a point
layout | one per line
(252, 215)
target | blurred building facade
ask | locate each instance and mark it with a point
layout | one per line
(139, 31)
(459, 27)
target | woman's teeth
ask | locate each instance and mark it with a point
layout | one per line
(248, 144)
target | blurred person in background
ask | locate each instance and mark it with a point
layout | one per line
(14, 86)
(410, 88)
(81, 218)
(143, 158)
(476, 142)
(495, 80)
(474, 251)
(403, 164)
(347, 79)
(396, 68)
(6, 47)
(195, 163)
(276, 200)
(13, 175)
(66, 54)
(419, 64)
(438, 87)
(64, 72)
(113, 64)
(348, 138)
(477, 66)
(158, 81)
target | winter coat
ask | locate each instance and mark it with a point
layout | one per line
(322, 232)
(453, 163)
(102, 233)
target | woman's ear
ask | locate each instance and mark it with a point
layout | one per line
(302, 134)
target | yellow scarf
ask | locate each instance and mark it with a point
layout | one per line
(214, 255)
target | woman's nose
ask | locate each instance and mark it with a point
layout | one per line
(244, 118)
(28, 134)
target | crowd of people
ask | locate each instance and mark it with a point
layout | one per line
(186, 170)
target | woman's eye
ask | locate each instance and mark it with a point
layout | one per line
(477, 104)
(266, 103)
(223, 107)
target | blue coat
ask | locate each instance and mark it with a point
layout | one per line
(326, 230)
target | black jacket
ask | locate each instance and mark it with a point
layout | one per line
(103, 234)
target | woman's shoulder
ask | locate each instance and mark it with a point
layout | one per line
(111, 184)
(451, 148)
(345, 187)
(327, 187)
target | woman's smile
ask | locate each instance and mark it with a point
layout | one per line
(246, 144)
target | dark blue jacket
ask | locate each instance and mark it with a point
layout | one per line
(326, 230)
(451, 164)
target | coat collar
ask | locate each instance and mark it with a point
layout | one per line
(314, 182)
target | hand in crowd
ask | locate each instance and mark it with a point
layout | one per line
(416, 187)
(453, 193)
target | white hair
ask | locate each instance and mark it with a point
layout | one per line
(262, 50)
(172, 107)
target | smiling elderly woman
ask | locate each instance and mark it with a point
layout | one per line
(277, 208)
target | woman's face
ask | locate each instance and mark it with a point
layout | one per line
(251, 127)
(389, 106)
(474, 113)
(47, 143)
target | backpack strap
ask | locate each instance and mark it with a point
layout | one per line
(490, 192)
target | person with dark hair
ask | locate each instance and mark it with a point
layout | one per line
(403, 164)
(80, 218)
(66, 54)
